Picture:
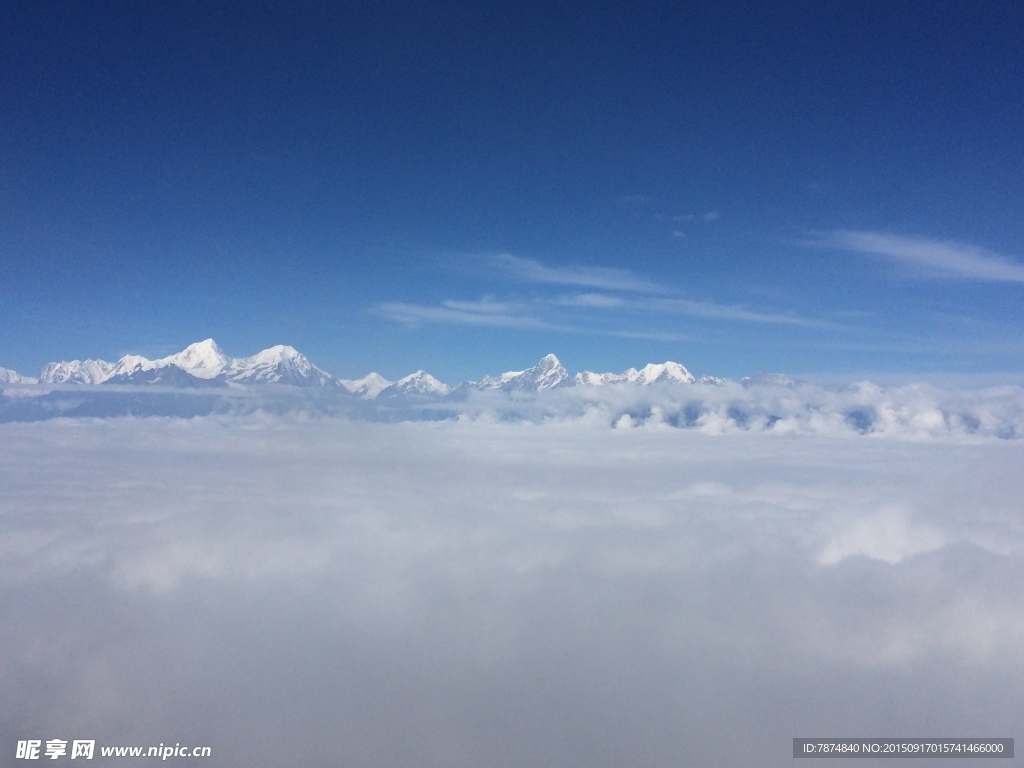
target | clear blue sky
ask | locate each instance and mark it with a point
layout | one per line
(829, 187)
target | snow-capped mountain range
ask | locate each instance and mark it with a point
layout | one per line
(204, 364)
(202, 381)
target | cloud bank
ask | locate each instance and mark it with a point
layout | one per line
(762, 404)
(915, 411)
(469, 594)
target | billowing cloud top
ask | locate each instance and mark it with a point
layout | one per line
(310, 592)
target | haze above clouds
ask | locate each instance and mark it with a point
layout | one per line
(319, 592)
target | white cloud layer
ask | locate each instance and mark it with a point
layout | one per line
(937, 257)
(324, 592)
(908, 412)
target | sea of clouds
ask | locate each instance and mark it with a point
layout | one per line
(909, 411)
(305, 591)
(913, 411)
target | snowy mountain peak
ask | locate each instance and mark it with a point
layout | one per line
(545, 374)
(164, 375)
(653, 373)
(423, 382)
(130, 364)
(415, 384)
(280, 364)
(368, 387)
(204, 359)
(76, 372)
(596, 379)
(279, 353)
(204, 363)
(7, 376)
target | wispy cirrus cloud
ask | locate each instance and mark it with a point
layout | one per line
(706, 217)
(595, 300)
(605, 278)
(496, 314)
(939, 258)
(710, 310)
(530, 315)
(599, 301)
(500, 314)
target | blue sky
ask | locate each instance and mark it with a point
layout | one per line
(825, 188)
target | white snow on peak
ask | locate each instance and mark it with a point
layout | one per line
(279, 353)
(714, 380)
(596, 379)
(76, 372)
(652, 373)
(658, 372)
(421, 382)
(280, 364)
(546, 374)
(204, 359)
(130, 364)
(368, 387)
(7, 376)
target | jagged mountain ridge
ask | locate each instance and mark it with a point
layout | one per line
(76, 372)
(7, 376)
(201, 381)
(546, 374)
(368, 387)
(416, 384)
(204, 364)
(650, 374)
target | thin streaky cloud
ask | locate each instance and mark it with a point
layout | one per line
(705, 309)
(605, 278)
(623, 280)
(459, 313)
(591, 300)
(712, 311)
(503, 315)
(485, 305)
(706, 217)
(497, 314)
(943, 258)
(651, 336)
